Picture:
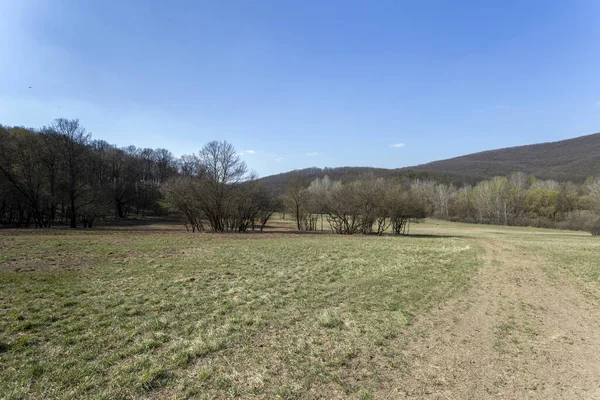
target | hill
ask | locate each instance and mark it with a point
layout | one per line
(571, 159)
(279, 182)
(565, 160)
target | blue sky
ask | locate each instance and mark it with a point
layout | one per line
(294, 84)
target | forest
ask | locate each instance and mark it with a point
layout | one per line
(59, 175)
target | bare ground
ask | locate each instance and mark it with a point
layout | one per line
(517, 334)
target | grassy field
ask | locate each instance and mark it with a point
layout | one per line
(161, 313)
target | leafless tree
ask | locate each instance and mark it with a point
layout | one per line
(222, 172)
(318, 191)
(20, 165)
(443, 195)
(73, 142)
(297, 199)
(518, 186)
(594, 189)
(343, 209)
(182, 194)
(370, 194)
(406, 206)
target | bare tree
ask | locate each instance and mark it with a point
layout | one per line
(594, 189)
(182, 194)
(500, 188)
(483, 200)
(463, 208)
(442, 197)
(222, 172)
(252, 204)
(406, 206)
(318, 191)
(343, 208)
(297, 198)
(518, 184)
(370, 193)
(19, 162)
(73, 140)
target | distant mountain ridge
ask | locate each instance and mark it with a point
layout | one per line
(571, 159)
(565, 160)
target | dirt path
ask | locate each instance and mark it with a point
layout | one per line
(518, 334)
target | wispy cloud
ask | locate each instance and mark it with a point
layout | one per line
(598, 103)
(502, 107)
(250, 151)
(397, 145)
(313, 153)
(271, 156)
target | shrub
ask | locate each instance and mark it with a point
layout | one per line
(594, 227)
(575, 222)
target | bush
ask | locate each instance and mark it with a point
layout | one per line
(575, 222)
(594, 227)
(587, 222)
(541, 222)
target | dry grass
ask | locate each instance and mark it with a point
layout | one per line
(526, 328)
(145, 312)
(150, 311)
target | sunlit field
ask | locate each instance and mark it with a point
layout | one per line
(152, 311)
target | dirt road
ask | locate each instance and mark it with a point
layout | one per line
(518, 333)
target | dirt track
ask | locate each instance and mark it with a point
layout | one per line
(517, 334)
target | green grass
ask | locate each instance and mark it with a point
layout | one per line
(121, 315)
(573, 253)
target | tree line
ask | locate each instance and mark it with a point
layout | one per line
(519, 200)
(59, 175)
(372, 205)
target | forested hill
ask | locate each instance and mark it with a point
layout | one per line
(571, 159)
(565, 160)
(279, 182)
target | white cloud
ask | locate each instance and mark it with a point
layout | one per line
(502, 107)
(397, 145)
(313, 153)
(250, 151)
(598, 103)
(278, 159)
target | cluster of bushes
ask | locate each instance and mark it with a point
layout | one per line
(367, 205)
(581, 220)
(216, 192)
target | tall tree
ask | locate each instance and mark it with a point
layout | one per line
(73, 141)
(19, 162)
(297, 198)
(594, 189)
(222, 171)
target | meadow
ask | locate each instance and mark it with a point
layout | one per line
(156, 312)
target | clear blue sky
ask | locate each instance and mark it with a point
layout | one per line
(295, 84)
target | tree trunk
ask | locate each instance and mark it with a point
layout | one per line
(73, 216)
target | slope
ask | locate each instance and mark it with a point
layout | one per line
(566, 160)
